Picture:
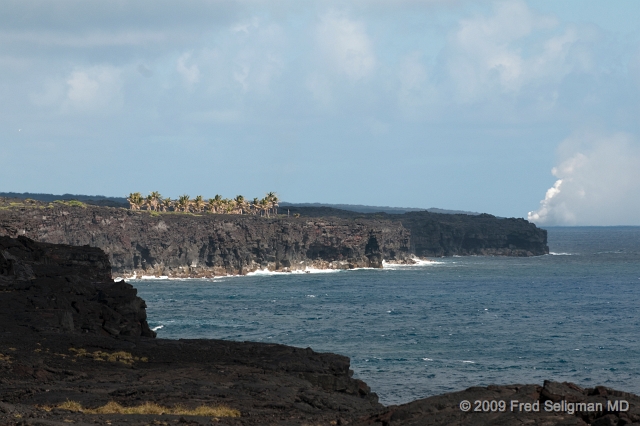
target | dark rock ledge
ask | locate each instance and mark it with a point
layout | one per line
(205, 245)
(68, 332)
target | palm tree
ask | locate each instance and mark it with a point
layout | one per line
(227, 205)
(211, 205)
(264, 204)
(154, 199)
(218, 203)
(198, 203)
(166, 204)
(255, 206)
(135, 200)
(273, 201)
(184, 203)
(240, 203)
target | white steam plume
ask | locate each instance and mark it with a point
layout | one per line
(598, 183)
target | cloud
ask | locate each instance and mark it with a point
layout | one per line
(246, 59)
(94, 88)
(509, 50)
(189, 73)
(144, 71)
(415, 88)
(346, 46)
(84, 90)
(598, 183)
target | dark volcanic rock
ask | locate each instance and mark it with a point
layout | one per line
(204, 245)
(575, 406)
(438, 234)
(59, 314)
(434, 234)
(48, 293)
(183, 245)
(266, 383)
(65, 288)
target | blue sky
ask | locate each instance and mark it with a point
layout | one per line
(518, 108)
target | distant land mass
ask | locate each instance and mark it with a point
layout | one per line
(94, 200)
(375, 209)
(205, 244)
(101, 200)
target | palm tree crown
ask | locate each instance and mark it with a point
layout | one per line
(239, 205)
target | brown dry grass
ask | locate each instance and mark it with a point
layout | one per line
(120, 356)
(113, 407)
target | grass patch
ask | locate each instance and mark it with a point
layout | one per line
(5, 358)
(121, 356)
(71, 203)
(113, 407)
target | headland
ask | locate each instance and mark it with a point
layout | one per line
(181, 245)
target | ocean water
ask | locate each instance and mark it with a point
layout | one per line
(416, 331)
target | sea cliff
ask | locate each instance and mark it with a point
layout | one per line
(204, 245)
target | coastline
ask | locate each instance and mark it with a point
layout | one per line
(311, 267)
(183, 245)
(75, 347)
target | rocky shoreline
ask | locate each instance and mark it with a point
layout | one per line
(75, 348)
(185, 245)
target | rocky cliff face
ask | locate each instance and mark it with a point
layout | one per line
(434, 234)
(205, 245)
(437, 234)
(47, 287)
(182, 245)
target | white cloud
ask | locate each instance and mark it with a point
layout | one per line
(415, 88)
(96, 88)
(598, 183)
(346, 45)
(244, 58)
(508, 50)
(189, 73)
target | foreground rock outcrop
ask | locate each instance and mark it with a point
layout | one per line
(553, 403)
(68, 332)
(204, 245)
(72, 338)
(49, 287)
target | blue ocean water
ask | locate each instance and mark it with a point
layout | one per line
(416, 331)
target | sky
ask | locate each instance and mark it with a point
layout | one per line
(515, 108)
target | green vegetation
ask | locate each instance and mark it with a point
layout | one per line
(76, 203)
(154, 202)
(71, 203)
(113, 407)
(28, 203)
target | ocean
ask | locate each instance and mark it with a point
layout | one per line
(421, 330)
